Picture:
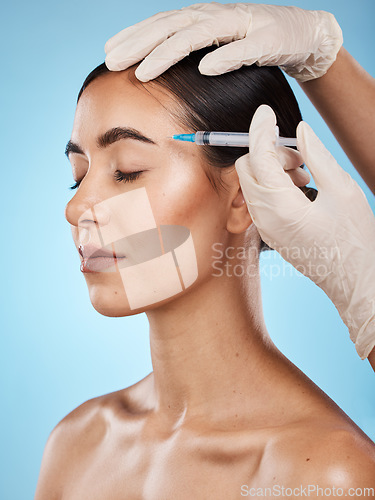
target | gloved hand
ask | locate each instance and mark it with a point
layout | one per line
(304, 43)
(330, 240)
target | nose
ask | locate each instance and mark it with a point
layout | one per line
(86, 209)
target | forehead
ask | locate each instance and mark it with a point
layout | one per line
(117, 99)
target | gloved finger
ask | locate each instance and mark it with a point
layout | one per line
(270, 192)
(173, 50)
(272, 209)
(266, 166)
(259, 47)
(291, 161)
(326, 172)
(176, 47)
(138, 44)
(284, 198)
(299, 176)
(289, 158)
(230, 57)
(126, 33)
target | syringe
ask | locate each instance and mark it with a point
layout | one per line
(236, 139)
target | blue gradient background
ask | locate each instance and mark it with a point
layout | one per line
(56, 351)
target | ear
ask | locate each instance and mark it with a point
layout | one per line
(239, 218)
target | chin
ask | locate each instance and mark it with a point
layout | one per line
(114, 303)
(107, 295)
(109, 302)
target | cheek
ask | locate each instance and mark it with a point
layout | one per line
(188, 199)
(183, 196)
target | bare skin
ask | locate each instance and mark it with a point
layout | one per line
(371, 359)
(223, 407)
(343, 96)
(116, 447)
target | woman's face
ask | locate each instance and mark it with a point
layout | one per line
(147, 239)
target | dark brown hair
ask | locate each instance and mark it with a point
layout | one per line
(225, 103)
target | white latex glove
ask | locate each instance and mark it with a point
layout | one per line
(304, 43)
(330, 240)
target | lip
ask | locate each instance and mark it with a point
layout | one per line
(95, 259)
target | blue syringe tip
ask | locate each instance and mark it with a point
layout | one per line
(184, 137)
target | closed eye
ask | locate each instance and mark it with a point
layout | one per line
(119, 177)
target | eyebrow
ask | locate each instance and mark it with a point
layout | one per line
(111, 136)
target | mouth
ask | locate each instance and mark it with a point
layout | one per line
(95, 260)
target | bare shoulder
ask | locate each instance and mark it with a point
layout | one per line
(76, 437)
(64, 446)
(329, 455)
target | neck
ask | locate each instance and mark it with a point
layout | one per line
(210, 349)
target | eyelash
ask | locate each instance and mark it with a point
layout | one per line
(119, 177)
